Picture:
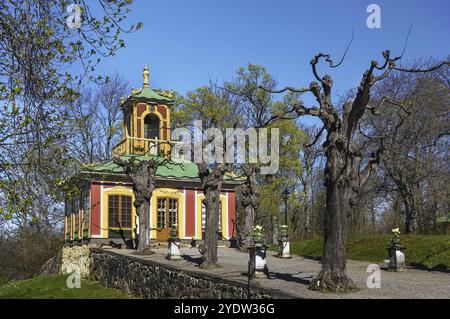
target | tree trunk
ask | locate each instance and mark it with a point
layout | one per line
(212, 202)
(143, 211)
(143, 176)
(333, 276)
(250, 202)
(411, 215)
(245, 233)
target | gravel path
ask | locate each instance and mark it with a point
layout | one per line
(293, 275)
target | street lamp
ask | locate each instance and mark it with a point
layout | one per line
(284, 248)
(286, 195)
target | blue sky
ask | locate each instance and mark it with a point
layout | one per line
(188, 42)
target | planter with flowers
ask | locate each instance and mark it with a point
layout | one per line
(396, 254)
(258, 253)
(284, 250)
(174, 244)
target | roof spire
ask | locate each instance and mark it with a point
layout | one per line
(146, 76)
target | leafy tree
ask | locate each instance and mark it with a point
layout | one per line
(255, 108)
(43, 64)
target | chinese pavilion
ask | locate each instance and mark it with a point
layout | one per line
(101, 209)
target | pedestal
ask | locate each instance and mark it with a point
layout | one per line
(396, 258)
(174, 249)
(284, 248)
(258, 256)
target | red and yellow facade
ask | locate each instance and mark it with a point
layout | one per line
(93, 213)
(102, 210)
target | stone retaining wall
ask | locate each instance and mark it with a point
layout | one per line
(68, 260)
(150, 279)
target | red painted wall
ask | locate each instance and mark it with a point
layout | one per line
(190, 213)
(162, 109)
(231, 214)
(141, 107)
(95, 209)
(190, 210)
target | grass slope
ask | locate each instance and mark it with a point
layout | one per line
(55, 287)
(430, 251)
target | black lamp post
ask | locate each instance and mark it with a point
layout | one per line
(286, 195)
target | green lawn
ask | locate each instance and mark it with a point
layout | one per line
(430, 251)
(55, 287)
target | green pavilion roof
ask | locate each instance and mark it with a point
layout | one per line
(148, 95)
(176, 169)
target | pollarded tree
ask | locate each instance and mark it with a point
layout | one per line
(346, 167)
(142, 173)
(212, 107)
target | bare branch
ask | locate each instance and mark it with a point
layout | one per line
(316, 138)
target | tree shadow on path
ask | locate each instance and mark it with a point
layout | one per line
(291, 277)
(195, 260)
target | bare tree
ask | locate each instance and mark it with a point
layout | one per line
(346, 168)
(212, 180)
(93, 120)
(415, 160)
(108, 98)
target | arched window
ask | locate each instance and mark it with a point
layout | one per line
(151, 127)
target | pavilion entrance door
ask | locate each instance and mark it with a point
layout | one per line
(167, 216)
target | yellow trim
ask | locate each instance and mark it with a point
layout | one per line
(223, 203)
(88, 193)
(72, 235)
(117, 190)
(75, 214)
(167, 193)
(163, 124)
(66, 221)
(134, 128)
(159, 115)
(168, 122)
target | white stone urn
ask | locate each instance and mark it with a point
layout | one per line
(284, 248)
(396, 257)
(174, 249)
(258, 256)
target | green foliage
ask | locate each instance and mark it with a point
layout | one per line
(256, 107)
(206, 103)
(55, 287)
(431, 251)
(39, 56)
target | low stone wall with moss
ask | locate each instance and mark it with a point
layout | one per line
(150, 279)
